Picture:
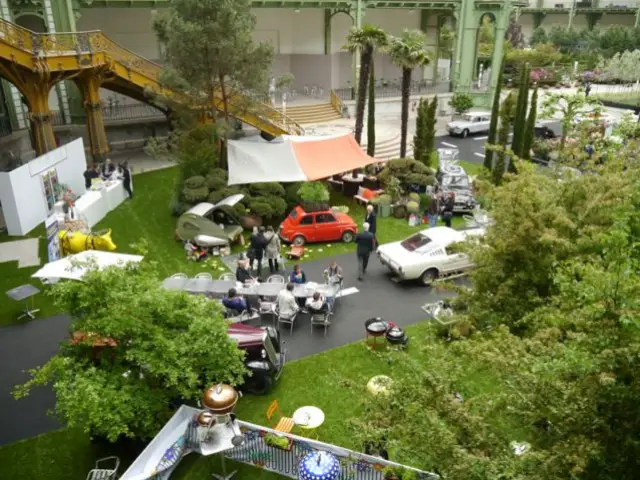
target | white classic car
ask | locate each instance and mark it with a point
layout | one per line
(473, 122)
(426, 256)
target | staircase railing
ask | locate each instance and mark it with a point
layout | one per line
(336, 102)
(94, 42)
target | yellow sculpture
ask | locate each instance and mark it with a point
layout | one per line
(76, 242)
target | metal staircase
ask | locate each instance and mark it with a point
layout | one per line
(65, 55)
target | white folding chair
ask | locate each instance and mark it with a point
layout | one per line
(100, 473)
(276, 279)
(287, 319)
(228, 277)
(321, 319)
(180, 275)
(204, 276)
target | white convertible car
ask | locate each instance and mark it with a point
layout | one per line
(426, 255)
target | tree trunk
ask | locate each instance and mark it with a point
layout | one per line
(529, 132)
(365, 64)
(371, 114)
(493, 125)
(404, 119)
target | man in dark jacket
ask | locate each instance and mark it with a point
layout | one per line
(257, 244)
(89, 175)
(126, 178)
(370, 218)
(365, 244)
(447, 210)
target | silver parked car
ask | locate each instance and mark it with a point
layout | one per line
(473, 122)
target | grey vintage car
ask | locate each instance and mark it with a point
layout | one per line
(213, 225)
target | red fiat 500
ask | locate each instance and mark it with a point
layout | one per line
(301, 227)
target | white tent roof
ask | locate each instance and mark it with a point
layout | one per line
(64, 267)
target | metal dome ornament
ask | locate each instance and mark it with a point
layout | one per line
(319, 466)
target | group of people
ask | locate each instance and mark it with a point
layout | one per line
(287, 303)
(264, 243)
(108, 171)
(439, 206)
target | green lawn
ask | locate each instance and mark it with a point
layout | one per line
(146, 219)
(629, 99)
(334, 381)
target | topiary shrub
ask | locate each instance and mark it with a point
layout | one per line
(216, 179)
(195, 195)
(177, 207)
(408, 171)
(194, 182)
(292, 194)
(461, 103)
(314, 196)
(271, 189)
(414, 197)
(267, 207)
(216, 196)
(413, 207)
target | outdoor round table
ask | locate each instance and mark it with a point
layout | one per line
(319, 466)
(308, 417)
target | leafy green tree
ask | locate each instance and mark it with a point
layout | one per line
(365, 40)
(408, 52)
(461, 103)
(495, 113)
(521, 111)
(503, 139)
(371, 115)
(529, 132)
(143, 348)
(210, 55)
(418, 136)
(568, 106)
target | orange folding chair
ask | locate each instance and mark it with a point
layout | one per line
(285, 424)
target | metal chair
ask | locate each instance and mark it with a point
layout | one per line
(267, 308)
(286, 319)
(204, 276)
(321, 319)
(180, 275)
(99, 473)
(276, 279)
(228, 277)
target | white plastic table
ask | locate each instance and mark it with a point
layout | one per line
(308, 417)
(92, 206)
(114, 194)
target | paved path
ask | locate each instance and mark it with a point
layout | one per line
(26, 346)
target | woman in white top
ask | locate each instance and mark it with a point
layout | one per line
(272, 249)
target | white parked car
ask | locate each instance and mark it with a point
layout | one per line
(426, 256)
(473, 122)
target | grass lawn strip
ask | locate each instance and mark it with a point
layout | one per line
(334, 381)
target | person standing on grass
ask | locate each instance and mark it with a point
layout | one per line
(257, 246)
(126, 178)
(272, 249)
(365, 242)
(371, 218)
(447, 209)
(433, 209)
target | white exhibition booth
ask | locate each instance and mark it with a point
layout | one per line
(28, 194)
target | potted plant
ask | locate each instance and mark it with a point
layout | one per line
(461, 103)
(382, 204)
(314, 196)
(391, 473)
(276, 441)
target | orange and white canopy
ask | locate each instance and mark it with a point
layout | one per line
(293, 159)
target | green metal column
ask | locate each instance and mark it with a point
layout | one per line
(502, 22)
(64, 17)
(359, 10)
(637, 18)
(572, 13)
(468, 24)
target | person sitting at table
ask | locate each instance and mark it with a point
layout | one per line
(234, 302)
(316, 304)
(243, 275)
(297, 276)
(286, 302)
(89, 175)
(334, 274)
(194, 252)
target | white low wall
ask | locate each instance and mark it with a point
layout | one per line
(22, 194)
(393, 106)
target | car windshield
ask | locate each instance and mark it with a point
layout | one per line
(468, 117)
(415, 242)
(455, 183)
(293, 214)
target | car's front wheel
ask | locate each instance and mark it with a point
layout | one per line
(428, 277)
(299, 240)
(465, 133)
(259, 384)
(347, 237)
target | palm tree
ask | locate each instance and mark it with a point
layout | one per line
(408, 52)
(365, 40)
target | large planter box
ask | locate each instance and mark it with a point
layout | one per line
(350, 186)
(384, 210)
(371, 183)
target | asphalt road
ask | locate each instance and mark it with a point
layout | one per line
(472, 148)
